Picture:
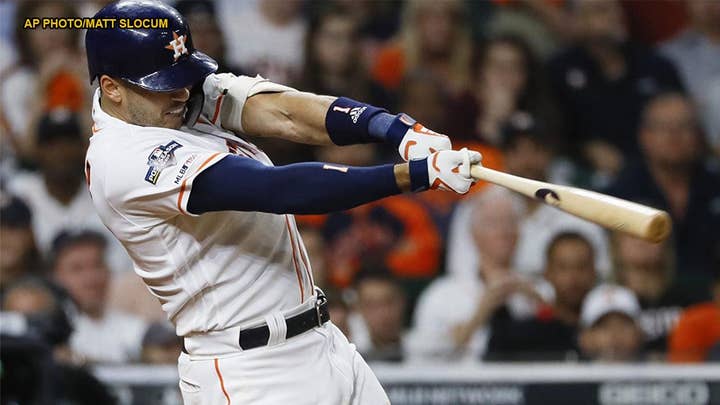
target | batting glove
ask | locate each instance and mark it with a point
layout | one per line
(419, 142)
(450, 169)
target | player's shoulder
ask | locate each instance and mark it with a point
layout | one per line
(122, 146)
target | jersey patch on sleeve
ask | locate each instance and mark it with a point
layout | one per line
(161, 157)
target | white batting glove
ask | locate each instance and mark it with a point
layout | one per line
(420, 142)
(450, 169)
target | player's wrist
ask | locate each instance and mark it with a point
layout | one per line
(413, 175)
(402, 176)
(419, 176)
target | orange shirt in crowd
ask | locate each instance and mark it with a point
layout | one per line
(389, 68)
(697, 331)
(415, 255)
(65, 90)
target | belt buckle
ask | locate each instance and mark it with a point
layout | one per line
(321, 299)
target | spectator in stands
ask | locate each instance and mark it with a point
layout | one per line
(160, 344)
(570, 269)
(434, 36)
(528, 152)
(455, 313)
(333, 64)
(206, 33)
(47, 75)
(18, 255)
(44, 305)
(544, 25)
(673, 177)
(696, 53)
(552, 333)
(610, 325)
(315, 246)
(101, 334)
(396, 233)
(647, 270)
(57, 194)
(602, 83)
(339, 310)
(421, 96)
(266, 37)
(128, 293)
(507, 79)
(697, 334)
(652, 22)
(378, 331)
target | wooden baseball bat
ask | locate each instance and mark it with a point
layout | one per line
(610, 212)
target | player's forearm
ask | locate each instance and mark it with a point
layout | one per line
(293, 116)
(242, 184)
(322, 120)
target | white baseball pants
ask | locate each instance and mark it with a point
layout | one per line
(317, 367)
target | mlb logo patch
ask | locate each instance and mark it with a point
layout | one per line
(161, 157)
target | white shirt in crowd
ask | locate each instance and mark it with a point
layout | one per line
(697, 59)
(115, 338)
(536, 232)
(261, 47)
(50, 217)
(451, 301)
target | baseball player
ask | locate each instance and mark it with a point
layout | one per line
(207, 219)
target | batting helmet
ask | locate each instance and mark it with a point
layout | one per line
(158, 58)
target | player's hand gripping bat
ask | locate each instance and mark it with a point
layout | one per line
(614, 213)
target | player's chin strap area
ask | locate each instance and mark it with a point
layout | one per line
(298, 324)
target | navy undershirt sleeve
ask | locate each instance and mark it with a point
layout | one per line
(242, 184)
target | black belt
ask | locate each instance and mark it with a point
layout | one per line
(296, 325)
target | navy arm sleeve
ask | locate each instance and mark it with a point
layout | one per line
(242, 184)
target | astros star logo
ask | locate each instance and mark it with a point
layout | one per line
(177, 45)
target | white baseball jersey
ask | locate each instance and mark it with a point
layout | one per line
(211, 271)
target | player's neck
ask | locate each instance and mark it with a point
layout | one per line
(110, 109)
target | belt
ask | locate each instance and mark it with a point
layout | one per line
(296, 325)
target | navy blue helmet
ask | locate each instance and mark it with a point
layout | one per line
(156, 59)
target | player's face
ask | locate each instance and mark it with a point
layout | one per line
(155, 109)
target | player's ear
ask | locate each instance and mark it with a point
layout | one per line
(110, 88)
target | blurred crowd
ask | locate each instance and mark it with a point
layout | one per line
(622, 97)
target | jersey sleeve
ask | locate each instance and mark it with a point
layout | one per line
(154, 183)
(242, 88)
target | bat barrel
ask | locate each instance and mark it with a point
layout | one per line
(610, 212)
